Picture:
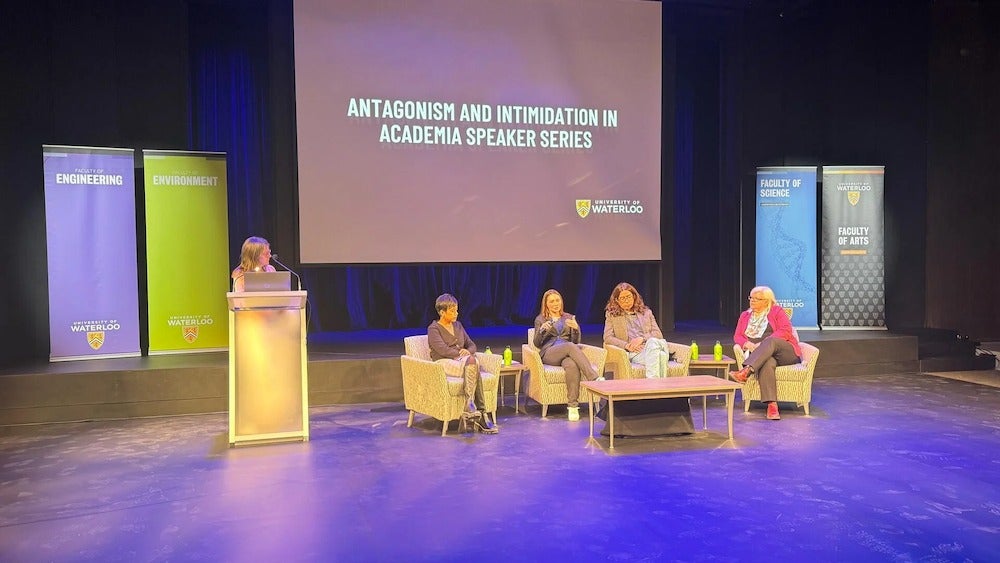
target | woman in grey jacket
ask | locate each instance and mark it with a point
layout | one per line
(630, 324)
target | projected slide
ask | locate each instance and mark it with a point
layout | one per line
(478, 130)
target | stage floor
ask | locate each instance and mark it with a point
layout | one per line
(898, 467)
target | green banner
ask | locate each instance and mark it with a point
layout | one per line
(187, 247)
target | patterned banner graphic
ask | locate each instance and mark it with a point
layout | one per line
(853, 247)
(187, 247)
(786, 239)
(91, 242)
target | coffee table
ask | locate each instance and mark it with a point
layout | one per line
(657, 388)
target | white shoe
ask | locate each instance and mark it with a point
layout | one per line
(573, 413)
(600, 378)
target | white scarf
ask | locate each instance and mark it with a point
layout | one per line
(756, 326)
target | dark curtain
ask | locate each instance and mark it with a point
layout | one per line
(374, 297)
(229, 109)
(697, 186)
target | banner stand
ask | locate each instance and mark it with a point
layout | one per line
(91, 252)
(853, 248)
(786, 240)
(187, 251)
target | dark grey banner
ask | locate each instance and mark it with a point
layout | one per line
(853, 248)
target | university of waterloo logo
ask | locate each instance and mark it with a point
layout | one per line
(95, 339)
(583, 207)
(854, 197)
(789, 311)
(190, 333)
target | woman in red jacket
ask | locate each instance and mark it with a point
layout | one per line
(766, 334)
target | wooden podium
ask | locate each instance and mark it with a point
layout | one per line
(268, 381)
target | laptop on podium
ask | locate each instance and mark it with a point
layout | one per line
(267, 281)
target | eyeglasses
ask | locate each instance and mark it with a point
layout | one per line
(626, 297)
(752, 298)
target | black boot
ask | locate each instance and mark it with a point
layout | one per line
(478, 398)
(471, 414)
(485, 425)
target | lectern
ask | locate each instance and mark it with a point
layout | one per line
(268, 381)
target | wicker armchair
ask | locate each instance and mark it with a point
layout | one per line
(622, 368)
(427, 390)
(794, 381)
(547, 384)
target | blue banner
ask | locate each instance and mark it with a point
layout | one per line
(91, 243)
(786, 239)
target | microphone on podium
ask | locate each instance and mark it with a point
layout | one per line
(297, 278)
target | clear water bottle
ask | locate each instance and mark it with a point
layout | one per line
(508, 356)
(717, 351)
(694, 350)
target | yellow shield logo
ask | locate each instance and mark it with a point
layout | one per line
(95, 339)
(854, 197)
(190, 333)
(789, 311)
(583, 207)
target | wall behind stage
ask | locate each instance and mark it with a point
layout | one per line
(845, 83)
(92, 73)
(197, 75)
(167, 75)
(963, 203)
(910, 85)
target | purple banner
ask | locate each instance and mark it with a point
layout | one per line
(91, 241)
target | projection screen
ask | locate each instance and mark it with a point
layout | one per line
(440, 131)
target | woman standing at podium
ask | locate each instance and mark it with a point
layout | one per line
(255, 256)
(451, 346)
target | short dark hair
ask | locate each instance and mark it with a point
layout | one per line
(444, 302)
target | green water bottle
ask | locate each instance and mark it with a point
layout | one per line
(694, 350)
(508, 356)
(717, 351)
(488, 351)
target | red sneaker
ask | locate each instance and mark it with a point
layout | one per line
(772, 411)
(740, 376)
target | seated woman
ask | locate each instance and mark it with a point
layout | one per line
(765, 332)
(255, 256)
(557, 337)
(630, 324)
(451, 347)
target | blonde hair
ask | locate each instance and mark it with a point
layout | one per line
(253, 247)
(543, 312)
(766, 293)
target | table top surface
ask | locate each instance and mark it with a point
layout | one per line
(707, 359)
(514, 365)
(690, 383)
